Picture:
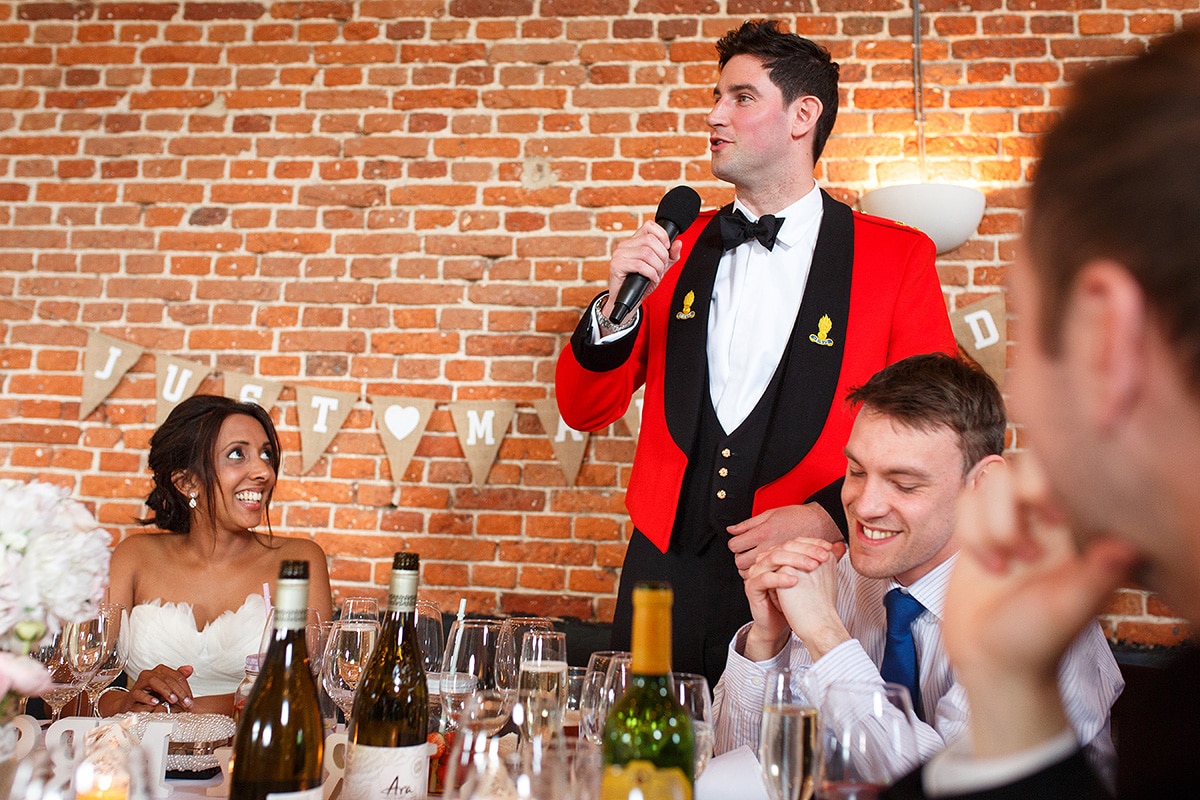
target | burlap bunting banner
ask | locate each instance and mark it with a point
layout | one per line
(569, 444)
(401, 422)
(248, 389)
(176, 380)
(104, 364)
(322, 413)
(481, 425)
(981, 331)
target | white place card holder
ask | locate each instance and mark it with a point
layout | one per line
(155, 741)
(221, 789)
(335, 764)
(28, 731)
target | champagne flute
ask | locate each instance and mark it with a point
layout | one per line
(869, 739)
(346, 654)
(114, 664)
(430, 641)
(66, 684)
(591, 723)
(468, 665)
(693, 694)
(508, 651)
(542, 683)
(788, 740)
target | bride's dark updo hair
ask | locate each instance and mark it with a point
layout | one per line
(185, 444)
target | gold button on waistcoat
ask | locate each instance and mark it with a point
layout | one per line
(726, 453)
(721, 494)
(724, 473)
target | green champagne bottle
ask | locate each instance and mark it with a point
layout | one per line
(387, 757)
(279, 744)
(648, 743)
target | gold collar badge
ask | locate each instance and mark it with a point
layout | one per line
(686, 312)
(821, 337)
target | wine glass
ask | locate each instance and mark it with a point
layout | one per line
(468, 665)
(542, 682)
(508, 651)
(869, 739)
(66, 684)
(360, 608)
(110, 616)
(617, 679)
(788, 739)
(591, 723)
(312, 633)
(429, 634)
(693, 694)
(346, 654)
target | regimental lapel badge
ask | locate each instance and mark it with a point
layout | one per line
(821, 337)
(686, 312)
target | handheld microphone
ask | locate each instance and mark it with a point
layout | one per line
(676, 212)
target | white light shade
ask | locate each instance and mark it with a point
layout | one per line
(946, 213)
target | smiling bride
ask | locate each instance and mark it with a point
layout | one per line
(195, 588)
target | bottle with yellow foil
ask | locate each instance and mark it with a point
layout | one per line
(648, 742)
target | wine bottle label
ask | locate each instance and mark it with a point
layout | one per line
(402, 590)
(291, 604)
(652, 783)
(386, 773)
(315, 793)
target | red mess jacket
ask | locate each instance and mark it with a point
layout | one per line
(872, 298)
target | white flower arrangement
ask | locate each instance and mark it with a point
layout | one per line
(53, 562)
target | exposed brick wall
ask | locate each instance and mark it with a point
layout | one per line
(416, 197)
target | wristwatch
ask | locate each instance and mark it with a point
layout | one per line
(606, 325)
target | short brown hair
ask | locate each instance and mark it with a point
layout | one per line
(798, 66)
(934, 389)
(1119, 179)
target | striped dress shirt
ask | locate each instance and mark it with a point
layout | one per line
(1089, 678)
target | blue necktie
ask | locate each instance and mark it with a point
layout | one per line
(899, 651)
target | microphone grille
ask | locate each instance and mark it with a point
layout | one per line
(680, 207)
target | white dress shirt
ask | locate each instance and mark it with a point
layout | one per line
(1089, 677)
(756, 297)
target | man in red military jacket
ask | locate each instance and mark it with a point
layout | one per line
(747, 346)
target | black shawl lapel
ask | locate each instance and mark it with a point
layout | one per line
(686, 381)
(812, 363)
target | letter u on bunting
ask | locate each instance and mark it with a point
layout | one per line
(322, 413)
(481, 426)
(104, 364)
(176, 381)
(569, 444)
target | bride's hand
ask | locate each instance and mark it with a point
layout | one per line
(157, 688)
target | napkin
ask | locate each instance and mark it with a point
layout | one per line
(732, 774)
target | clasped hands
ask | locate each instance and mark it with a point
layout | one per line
(161, 689)
(792, 587)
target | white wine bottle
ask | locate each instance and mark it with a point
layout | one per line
(279, 745)
(387, 757)
(648, 744)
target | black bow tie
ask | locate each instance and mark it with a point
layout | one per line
(735, 229)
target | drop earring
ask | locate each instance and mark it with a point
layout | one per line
(192, 501)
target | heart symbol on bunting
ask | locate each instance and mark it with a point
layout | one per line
(401, 420)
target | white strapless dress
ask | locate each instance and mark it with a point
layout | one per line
(165, 633)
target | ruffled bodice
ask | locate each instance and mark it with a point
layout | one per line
(166, 633)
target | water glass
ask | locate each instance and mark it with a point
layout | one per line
(869, 739)
(591, 722)
(468, 665)
(693, 694)
(346, 655)
(360, 608)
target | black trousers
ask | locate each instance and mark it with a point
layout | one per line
(710, 602)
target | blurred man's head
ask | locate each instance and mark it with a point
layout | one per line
(1106, 295)
(928, 426)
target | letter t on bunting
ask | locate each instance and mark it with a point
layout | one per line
(481, 425)
(322, 413)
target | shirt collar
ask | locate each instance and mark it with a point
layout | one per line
(798, 219)
(930, 588)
